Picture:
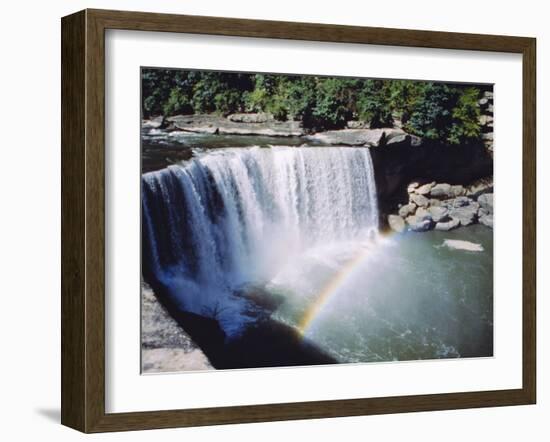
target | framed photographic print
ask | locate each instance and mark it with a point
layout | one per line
(267, 220)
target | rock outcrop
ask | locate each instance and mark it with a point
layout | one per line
(450, 207)
(486, 120)
(165, 347)
(250, 118)
(237, 124)
(361, 137)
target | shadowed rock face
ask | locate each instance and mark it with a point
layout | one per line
(264, 343)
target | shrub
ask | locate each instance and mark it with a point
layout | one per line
(228, 102)
(301, 99)
(177, 103)
(333, 104)
(465, 127)
(431, 114)
(373, 104)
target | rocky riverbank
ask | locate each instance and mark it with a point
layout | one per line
(235, 124)
(165, 347)
(442, 206)
(264, 125)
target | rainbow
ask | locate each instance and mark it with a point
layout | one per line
(331, 288)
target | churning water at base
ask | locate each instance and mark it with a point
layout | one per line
(300, 226)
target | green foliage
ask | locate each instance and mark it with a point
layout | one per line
(374, 104)
(333, 106)
(446, 113)
(177, 103)
(432, 114)
(465, 127)
(228, 102)
(434, 111)
(269, 95)
(301, 99)
(256, 100)
(403, 96)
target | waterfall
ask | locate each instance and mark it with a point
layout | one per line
(235, 216)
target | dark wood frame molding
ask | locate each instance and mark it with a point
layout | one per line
(83, 217)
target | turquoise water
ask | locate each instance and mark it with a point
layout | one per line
(409, 298)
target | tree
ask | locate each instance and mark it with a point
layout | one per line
(373, 104)
(465, 127)
(431, 114)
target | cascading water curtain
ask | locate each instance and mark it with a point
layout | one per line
(232, 217)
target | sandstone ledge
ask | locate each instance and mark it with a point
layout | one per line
(165, 347)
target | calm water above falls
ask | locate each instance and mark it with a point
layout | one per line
(300, 225)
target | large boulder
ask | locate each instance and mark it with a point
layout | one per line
(423, 214)
(402, 138)
(412, 186)
(154, 123)
(487, 220)
(396, 223)
(424, 189)
(457, 190)
(420, 200)
(441, 191)
(481, 212)
(445, 226)
(438, 213)
(445, 191)
(484, 185)
(250, 118)
(418, 224)
(407, 209)
(460, 201)
(466, 215)
(486, 202)
(355, 124)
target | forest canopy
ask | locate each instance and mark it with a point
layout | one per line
(442, 112)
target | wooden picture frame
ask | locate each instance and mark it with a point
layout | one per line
(83, 220)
